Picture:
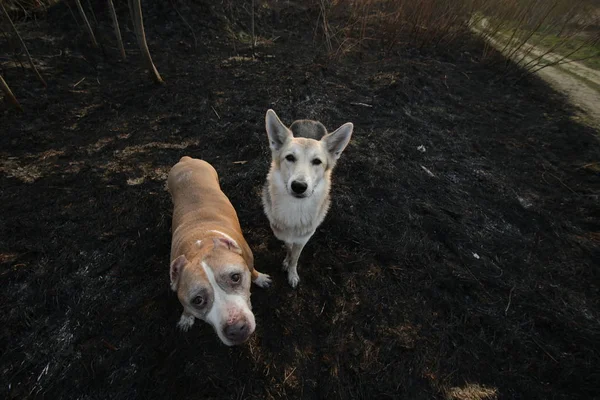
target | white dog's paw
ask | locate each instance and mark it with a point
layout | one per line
(263, 280)
(286, 264)
(185, 322)
(293, 278)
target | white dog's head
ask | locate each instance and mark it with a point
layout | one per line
(304, 152)
(215, 287)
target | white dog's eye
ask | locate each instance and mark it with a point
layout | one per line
(290, 158)
(198, 300)
(235, 278)
(316, 161)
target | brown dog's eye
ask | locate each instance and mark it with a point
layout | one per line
(290, 158)
(235, 278)
(198, 300)
(316, 161)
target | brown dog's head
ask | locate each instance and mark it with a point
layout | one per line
(215, 287)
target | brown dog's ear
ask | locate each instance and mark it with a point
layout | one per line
(227, 242)
(176, 268)
(277, 132)
(337, 140)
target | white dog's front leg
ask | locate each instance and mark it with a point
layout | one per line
(185, 322)
(288, 255)
(292, 270)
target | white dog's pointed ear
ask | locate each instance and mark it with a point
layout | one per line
(337, 140)
(176, 268)
(278, 133)
(229, 243)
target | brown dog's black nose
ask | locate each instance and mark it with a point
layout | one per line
(238, 331)
(299, 187)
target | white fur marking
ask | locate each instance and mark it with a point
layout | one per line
(226, 307)
(226, 236)
(184, 176)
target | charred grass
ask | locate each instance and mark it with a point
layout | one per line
(478, 282)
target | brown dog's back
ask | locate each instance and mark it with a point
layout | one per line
(200, 206)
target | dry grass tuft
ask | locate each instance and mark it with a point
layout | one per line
(472, 391)
(19, 8)
(568, 28)
(391, 22)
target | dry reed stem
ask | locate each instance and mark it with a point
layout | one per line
(188, 25)
(113, 15)
(141, 38)
(87, 24)
(253, 37)
(92, 12)
(11, 97)
(24, 46)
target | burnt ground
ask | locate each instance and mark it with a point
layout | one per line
(479, 281)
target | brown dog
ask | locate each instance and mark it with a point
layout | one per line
(211, 263)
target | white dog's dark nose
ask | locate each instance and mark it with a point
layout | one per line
(237, 332)
(299, 187)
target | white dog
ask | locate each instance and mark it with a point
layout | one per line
(296, 194)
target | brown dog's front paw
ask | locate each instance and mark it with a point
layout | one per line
(263, 280)
(185, 322)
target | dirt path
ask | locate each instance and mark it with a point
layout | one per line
(579, 90)
(578, 82)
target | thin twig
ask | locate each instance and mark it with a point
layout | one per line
(544, 350)
(92, 11)
(113, 15)
(86, 23)
(589, 165)
(72, 13)
(24, 47)
(253, 37)
(187, 24)
(288, 375)
(77, 84)
(215, 111)
(131, 14)
(11, 97)
(558, 179)
(431, 174)
(509, 300)
(15, 52)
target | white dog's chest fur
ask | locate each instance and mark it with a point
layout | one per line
(294, 220)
